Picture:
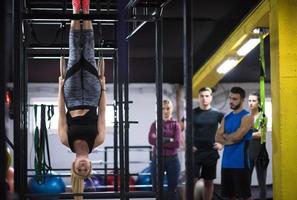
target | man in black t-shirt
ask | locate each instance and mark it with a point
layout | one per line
(205, 122)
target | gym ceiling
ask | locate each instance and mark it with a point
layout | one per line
(213, 21)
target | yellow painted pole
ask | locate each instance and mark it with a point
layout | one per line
(283, 49)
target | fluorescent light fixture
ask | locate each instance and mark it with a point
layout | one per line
(248, 46)
(136, 29)
(227, 65)
(257, 31)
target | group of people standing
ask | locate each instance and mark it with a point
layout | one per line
(236, 133)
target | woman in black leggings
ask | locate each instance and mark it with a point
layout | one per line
(82, 91)
(255, 144)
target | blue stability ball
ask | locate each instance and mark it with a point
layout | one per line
(94, 184)
(51, 184)
(145, 180)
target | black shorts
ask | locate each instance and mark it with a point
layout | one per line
(206, 165)
(235, 183)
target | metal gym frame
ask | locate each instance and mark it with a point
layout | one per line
(156, 17)
(121, 99)
(3, 160)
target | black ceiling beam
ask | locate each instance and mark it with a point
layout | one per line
(146, 17)
(148, 4)
(132, 3)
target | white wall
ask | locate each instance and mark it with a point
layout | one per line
(142, 110)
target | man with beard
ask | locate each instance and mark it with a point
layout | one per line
(235, 133)
(205, 122)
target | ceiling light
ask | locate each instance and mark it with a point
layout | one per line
(257, 31)
(248, 46)
(227, 65)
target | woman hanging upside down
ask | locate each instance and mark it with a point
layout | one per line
(82, 91)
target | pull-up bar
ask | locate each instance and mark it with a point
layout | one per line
(68, 16)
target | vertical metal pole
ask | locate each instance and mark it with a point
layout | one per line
(188, 68)
(159, 95)
(115, 127)
(122, 31)
(121, 139)
(126, 124)
(3, 160)
(25, 105)
(105, 164)
(20, 162)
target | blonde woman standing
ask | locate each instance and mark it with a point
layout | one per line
(171, 142)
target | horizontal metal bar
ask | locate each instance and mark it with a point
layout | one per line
(67, 174)
(141, 18)
(61, 171)
(68, 16)
(97, 195)
(131, 147)
(106, 45)
(70, 9)
(118, 102)
(66, 48)
(58, 57)
(130, 162)
(133, 122)
(58, 23)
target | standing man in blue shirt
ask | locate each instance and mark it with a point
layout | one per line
(235, 133)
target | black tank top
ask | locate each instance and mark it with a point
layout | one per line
(82, 128)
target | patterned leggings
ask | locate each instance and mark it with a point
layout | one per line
(81, 86)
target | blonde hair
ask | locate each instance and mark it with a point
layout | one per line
(77, 181)
(168, 102)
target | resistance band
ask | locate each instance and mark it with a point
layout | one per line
(263, 119)
(42, 166)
